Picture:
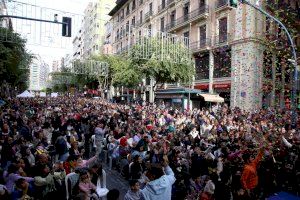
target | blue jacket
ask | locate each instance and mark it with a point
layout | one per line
(160, 189)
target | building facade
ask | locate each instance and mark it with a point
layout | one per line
(107, 46)
(78, 46)
(227, 43)
(93, 31)
(56, 66)
(4, 22)
(39, 71)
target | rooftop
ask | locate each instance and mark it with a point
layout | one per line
(119, 4)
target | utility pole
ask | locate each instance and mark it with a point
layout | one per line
(293, 51)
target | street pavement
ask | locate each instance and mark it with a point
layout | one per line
(115, 181)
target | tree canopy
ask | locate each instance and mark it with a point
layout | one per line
(14, 59)
(165, 60)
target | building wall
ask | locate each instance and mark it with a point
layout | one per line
(95, 16)
(229, 55)
(39, 71)
(4, 22)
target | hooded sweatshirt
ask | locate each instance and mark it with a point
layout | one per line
(160, 189)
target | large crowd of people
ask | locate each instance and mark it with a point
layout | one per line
(216, 153)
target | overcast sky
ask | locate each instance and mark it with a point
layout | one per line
(47, 47)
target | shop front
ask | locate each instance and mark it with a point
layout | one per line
(221, 88)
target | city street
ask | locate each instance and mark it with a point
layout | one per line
(185, 100)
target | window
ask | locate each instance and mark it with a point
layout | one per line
(186, 39)
(150, 31)
(127, 26)
(201, 3)
(202, 67)
(133, 21)
(133, 5)
(202, 35)
(223, 30)
(186, 9)
(127, 9)
(150, 8)
(163, 4)
(222, 63)
(162, 24)
(141, 16)
(122, 14)
(172, 16)
(97, 47)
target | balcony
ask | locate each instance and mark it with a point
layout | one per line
(138, 23)
(192, 16)
(161, 7)
(223, 39)
(170, 3)
(170, 25)
(200, 45)
(148, 15)
(222, 4)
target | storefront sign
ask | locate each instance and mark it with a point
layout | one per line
(221, 86)
(215, 85)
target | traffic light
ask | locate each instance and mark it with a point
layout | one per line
(233, 3)
(67, 26)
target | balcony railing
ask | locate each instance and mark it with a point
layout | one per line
(191, 16)
(197, 13)
(221, 4)
(161, 7)
(170, 2)
(200, 45)
(138, 23)
(223, 39)
(170, 25)
(148, 15)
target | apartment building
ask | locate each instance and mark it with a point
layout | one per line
(107, 46)
(93, 29)
(227, 43)
(4, 22)
(39, 71)
(78, 46)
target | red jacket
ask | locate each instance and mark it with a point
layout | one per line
(249, 176)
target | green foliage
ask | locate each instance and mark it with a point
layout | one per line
(121, 71)
(14, 59)
(166, 61)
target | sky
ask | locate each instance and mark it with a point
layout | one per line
(45, 38)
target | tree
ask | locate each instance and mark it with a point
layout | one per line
(14, 59)
(164, 59)
(121, 71)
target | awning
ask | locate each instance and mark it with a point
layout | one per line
(212, 98)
